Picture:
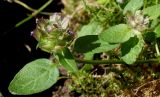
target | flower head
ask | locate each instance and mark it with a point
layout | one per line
(59, 21)
(138, 21)
(51, 33)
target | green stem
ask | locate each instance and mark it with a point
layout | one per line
(157, 49)
(34, 13)
(116, 61)
(29, 8)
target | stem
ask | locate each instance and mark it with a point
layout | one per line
(157, 49)
(34, 13)
(116, 61)
(24, 5)
(29, 8)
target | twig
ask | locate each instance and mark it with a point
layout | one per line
(34, 13)
(29, 8)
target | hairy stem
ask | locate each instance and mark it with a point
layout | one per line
(34, 13)
(29, 8)
(116, 61)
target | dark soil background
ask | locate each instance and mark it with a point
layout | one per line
(13, 53)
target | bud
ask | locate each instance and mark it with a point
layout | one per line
(59, 21)
(51, 33)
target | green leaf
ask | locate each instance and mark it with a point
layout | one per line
(153, 11)
(86, 43)
(34, 77)
(131, 49)
(88, 56)
(66, 59)
(91, 43)
(116, 34)
(133, 6)
(104, 47)
(157, 31)
(154, 23)
(93, 28)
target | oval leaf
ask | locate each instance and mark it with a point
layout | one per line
(86, 43)
(34, 77)
(66, 60)
(116, 34)
(104, 47)
(131, 49)
(93, 28)
(133, 6)
(91, 43)
(152, 11)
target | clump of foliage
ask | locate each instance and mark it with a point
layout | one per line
(109, 48)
